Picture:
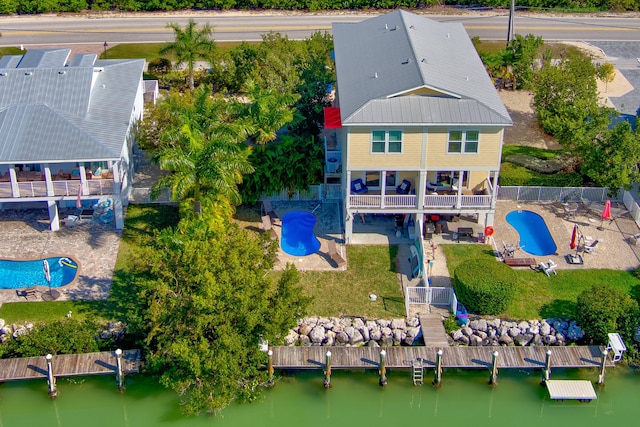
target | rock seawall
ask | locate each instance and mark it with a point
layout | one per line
(347, 331)
(496, 332)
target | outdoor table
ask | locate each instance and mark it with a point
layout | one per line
(464, 231)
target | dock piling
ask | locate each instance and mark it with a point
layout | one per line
(437, 379)
(605, 354)
(271, 381)
(546, 373)
(383, 369)
(327, 371)
(493, 378)
(119, 372)
(51, 379)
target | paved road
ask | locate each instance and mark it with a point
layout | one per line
(49, 30)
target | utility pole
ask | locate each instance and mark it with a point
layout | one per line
(510, 28)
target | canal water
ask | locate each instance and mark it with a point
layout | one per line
(465, 398)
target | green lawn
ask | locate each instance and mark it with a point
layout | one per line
(371, 270)
(539, 296)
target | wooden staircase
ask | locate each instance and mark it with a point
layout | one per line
(433, 331)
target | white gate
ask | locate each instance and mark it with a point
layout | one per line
(423, 295)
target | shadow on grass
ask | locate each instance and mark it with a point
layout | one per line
(635, 293)
(559, 308)
(393, 253)
(393, 305)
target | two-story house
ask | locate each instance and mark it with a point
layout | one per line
(420, 122)
(67, 128)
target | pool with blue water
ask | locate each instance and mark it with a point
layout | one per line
(535, 237)
(17, 274)
(298, 236)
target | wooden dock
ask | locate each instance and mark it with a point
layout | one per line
(66, 365)
(453, 357)
(433, 331)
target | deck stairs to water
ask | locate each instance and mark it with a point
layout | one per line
(433, 331)
(417, 370)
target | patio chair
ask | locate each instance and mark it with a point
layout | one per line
(589, 248)
(29, 293)
(268, 210)
(359, 187)
(267, 226)
(634, 240)
(334, 255)
(404, 188)
(548, 268)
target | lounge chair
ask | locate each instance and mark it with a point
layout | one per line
(359, 187)
(334, 255)
(549, 268)
(634, 240)
(267, 226)
(404, 188)
(29, 293)
(589, 248)
(268, 210)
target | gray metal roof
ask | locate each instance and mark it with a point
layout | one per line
(401, 68)
(54, 110)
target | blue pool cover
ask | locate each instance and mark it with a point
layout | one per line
(535, 237)
(298, 237)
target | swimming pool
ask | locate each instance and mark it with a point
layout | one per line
(535, 237)
(298, 237)
(17, 274)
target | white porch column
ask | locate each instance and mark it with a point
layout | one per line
(383, 187)
(348, 221)
(48, 181)
(15, 190)
(83, 180)
(421, 189)
(494, 193)
(117, 198)
(52, 206)
(460, 181)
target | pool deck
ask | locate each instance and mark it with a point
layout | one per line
(26, 235)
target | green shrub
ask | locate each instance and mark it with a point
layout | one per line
(603, 309)
(484, 286)
(66, 336)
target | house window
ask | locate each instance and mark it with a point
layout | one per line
(463, 142)
(372, 179)
(386, 141)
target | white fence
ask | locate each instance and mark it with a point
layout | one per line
(425, 295)
(142, 196)
(315, 192)
(560, 194)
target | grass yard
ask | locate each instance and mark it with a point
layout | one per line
(539, 296)
(511, 174)
(371, 271)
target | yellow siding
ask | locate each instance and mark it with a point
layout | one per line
(360, 156)
(488, 155)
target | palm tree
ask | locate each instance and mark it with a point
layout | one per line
(190, 45)
(266, 112)
(202, 163)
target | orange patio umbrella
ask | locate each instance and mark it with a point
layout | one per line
(574, 237)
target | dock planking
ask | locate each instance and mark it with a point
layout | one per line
(66, 365)
(453, 357)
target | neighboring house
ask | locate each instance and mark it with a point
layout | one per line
(67, 129)
(416, 105)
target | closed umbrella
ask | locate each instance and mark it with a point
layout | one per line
(606, 213)
(51, 294)
(574, 237)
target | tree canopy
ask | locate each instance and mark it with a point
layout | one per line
(207, 303)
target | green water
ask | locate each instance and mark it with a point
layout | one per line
(354, 400)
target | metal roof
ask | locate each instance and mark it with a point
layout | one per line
(401, 68)
(54, 110)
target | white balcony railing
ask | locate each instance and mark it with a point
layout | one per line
(430, 202)
(95, 187)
